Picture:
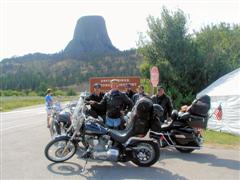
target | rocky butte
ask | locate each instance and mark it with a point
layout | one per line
(90, 37)
(90, 40)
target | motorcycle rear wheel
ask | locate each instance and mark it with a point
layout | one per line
(56, 150)
(185, 150)
(145, 153)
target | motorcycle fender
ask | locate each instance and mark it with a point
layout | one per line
(134, 141)
(64, 137)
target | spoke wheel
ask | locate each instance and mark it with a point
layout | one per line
(59, 150)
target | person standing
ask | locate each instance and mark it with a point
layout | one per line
(49, 104)
(116, 104)
(163, 100)
(129, 91)
(139, 94)
(97, 96)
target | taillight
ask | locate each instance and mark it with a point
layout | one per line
(161, 137)
(141, 135)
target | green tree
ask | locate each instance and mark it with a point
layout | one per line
(42, 89)
(188, 63)
(172, 50)
(219, 47)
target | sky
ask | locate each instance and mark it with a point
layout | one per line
(46, 26)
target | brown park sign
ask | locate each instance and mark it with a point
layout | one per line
(134, 81)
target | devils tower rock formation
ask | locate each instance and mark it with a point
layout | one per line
(90, 37)
(90, 40)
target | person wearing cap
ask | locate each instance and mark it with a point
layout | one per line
(129, 91)
(139, 94)
(163, 100)
(116, 103)
(49, 104)
(96, 96)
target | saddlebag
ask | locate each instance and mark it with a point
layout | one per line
(183, 137)
(193, 120)
(196, 121)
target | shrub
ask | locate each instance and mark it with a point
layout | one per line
(32, 93)
(71, 92)
(11, 93)
(59, 92)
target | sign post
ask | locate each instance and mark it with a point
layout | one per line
(154, 77)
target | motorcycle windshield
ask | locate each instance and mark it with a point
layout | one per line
(78, 118)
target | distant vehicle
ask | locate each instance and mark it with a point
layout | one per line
(60, 118)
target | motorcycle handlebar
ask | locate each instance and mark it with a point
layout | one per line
(87, 102)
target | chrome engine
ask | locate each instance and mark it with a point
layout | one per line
(101, 148)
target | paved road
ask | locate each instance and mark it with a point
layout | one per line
(24, 136)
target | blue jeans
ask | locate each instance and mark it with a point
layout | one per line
(110, 122)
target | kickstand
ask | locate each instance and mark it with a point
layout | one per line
(83, 171)
(86, 156)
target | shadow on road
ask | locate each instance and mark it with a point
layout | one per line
(203, 158)
(101, 170)
(65, 169)
(129, 171)
(114, 171)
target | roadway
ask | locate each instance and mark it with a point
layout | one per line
(24, 135)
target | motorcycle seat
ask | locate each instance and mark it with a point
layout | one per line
(185, 115)
(166, 126)
(121, 135)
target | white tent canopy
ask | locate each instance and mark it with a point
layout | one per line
(225, 91)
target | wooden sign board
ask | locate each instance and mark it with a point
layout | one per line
(134, 81)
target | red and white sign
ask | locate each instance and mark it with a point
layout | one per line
(154, 76)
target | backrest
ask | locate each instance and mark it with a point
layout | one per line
(140, 117)
(200, 106)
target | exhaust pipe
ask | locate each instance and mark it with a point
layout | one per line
(189, 147)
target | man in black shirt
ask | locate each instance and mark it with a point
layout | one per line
(165, 101)
(139, 94)
(116, 104)
(129, 91)
(97, 96)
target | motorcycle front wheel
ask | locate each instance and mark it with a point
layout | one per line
(60, 149)
(145, 154)
(53, 129)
